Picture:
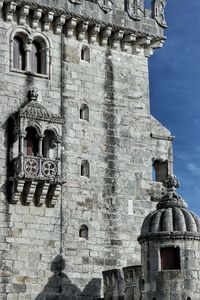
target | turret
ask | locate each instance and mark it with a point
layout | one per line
(170, 242)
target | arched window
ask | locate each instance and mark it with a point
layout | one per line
(170, 258)
(85, 53)
(188, 298)
(84, 112)
(85, 168)
(83, 232)
(19, 54)
(49, 144)
(36, 58)
(31, 142)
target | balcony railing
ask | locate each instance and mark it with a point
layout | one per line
(37, 168)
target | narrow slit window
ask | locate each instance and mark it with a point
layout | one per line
(85, 53)
(19, 54)
(85, 169)
(160, 170)
(170, 258)
(84, 112)
(83, 232)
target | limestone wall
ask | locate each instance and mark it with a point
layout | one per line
(118, 145)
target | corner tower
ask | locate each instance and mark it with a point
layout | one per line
(170, 241)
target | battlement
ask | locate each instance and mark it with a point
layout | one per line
(102, 22)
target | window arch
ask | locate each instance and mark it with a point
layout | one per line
(30, 53)
(31, 142)
(83, 232)
(49, 144)
(85, 53)
(85, 169)
(19, 54)
(84, 112)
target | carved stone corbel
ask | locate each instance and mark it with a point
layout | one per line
(41, 193)
(47, 20)
(158, 44)
(10, 9)
(116, 37)
(81, 30)
(17, 191)
(36, 17)
(94, 30)
(71, 24)
(31, 186)
(104, 35)
(127, 40)
(145, 41)
(148, 51)
(23, 13)
(53, 194)
(60, 21)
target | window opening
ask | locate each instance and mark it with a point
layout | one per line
(36, 58)
(19, 54)
(83, 232)
(84, 112)
(170, 258)
(160, 170)
(85, 53)
(31, 142)
(85, 169)
(49, 145)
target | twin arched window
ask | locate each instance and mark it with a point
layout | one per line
(48, 148)
(31, 55)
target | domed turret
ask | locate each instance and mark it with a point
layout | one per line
(170, 241)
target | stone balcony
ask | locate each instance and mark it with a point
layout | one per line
(36, 168)
(36, 180)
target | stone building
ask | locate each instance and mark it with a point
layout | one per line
(82, 160)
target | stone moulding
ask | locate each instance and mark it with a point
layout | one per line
(161, 236)
(74, 24)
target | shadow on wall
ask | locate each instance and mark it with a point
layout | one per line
(60, 287)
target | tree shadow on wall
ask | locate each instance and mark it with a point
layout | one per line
(60, 287)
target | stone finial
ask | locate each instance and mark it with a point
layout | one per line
(33, 94)
(171, 183)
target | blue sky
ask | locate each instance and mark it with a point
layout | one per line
(175, 93)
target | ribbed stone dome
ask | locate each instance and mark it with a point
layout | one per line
(171, 215)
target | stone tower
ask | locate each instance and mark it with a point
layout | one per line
(170, 245)
(78, 142)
